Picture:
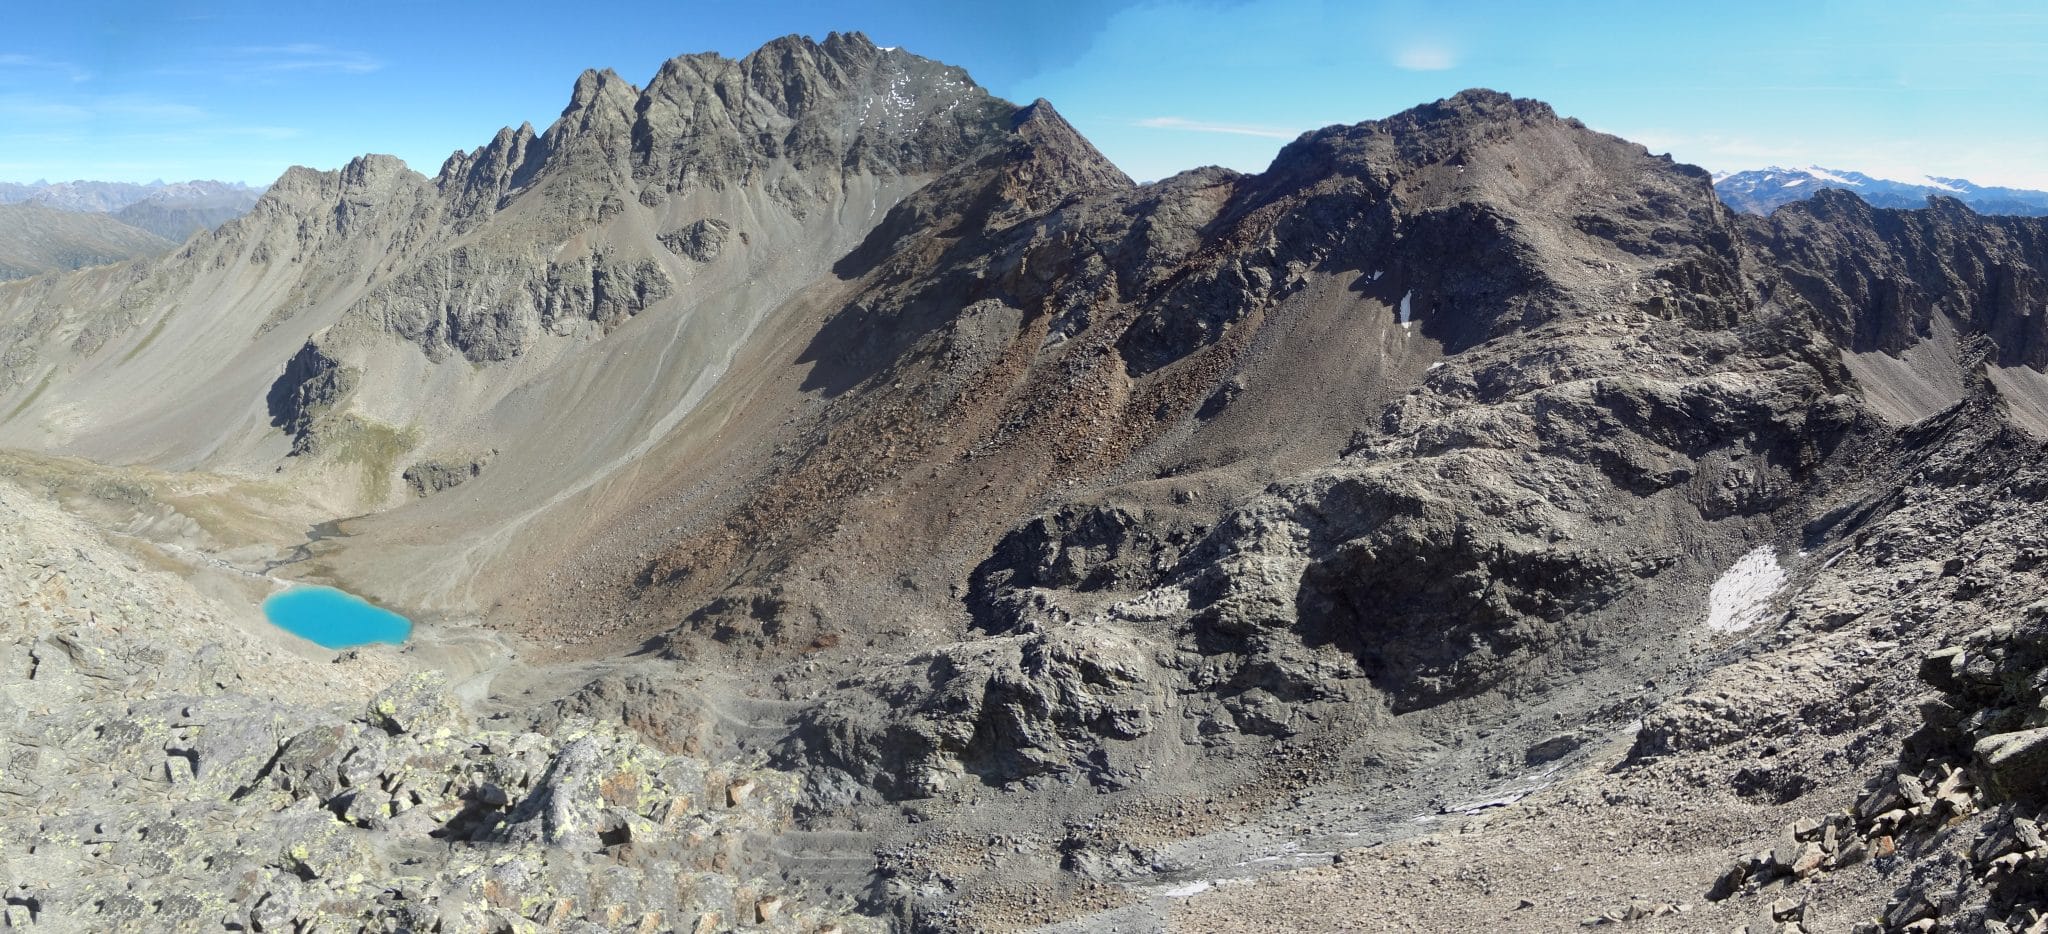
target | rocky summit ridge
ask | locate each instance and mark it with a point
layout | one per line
(1470, 495)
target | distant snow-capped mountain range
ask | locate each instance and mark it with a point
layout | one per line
(1760, 191)
(48, 226)
(110, 197)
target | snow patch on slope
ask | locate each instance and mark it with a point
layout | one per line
(1742, 596)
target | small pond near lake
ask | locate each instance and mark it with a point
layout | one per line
(333, 618)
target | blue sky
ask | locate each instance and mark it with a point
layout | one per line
(180, 89)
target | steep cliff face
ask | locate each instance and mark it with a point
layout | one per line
(1883, 276)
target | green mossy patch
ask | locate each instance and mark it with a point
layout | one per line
(375, 447)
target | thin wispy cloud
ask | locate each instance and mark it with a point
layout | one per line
(262, 132)
(28, 142)
(1892, 89)
(17, 108)
(14, 61)
(305, 57)
(146, 109)
(33, 109)
(1233, 129)
(1424, 56)
(270, 63)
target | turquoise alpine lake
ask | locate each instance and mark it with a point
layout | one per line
(334, 619)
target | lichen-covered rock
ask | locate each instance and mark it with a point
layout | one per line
(436, 474)
(419, 705)
(312, 385)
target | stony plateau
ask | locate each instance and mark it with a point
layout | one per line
(833, 496)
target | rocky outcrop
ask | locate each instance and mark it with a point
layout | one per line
(488, 306)
(1918, 624)
(312, 384)
(700, 240)
(1077, 548)
(436, 474)
(999, 711)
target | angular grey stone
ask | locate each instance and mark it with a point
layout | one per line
(2015, 764)
(418, 705)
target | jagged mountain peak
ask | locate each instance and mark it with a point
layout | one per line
(1454, 116)
(1489, 154)
(1472, 104)
(1039, 122)
(601, 110)
(366, 170)
(1446, 133)
(845, 48)
(302, 192)
(1052, 137)
(372, 168)
(708, 119)
(795, 75)
(594, 81)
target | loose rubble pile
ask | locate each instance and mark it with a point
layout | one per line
(1984, 745)
(1949, 564)
(149, 785)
